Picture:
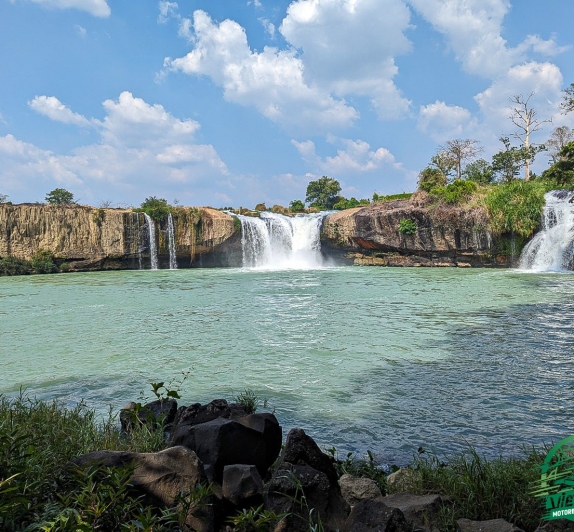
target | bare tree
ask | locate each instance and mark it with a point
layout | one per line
(460, 150)
(524, 118)
(568, 104)
(558, 139)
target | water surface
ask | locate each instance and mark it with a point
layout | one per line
(361, 358)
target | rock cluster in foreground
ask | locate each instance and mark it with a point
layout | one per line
(240, 455)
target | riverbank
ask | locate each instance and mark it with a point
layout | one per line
(40, 486)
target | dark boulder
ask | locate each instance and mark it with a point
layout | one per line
(373, 515)
(422, 512)
(305, 486)
(197, 413)
(242, 485)
(492, 525)
(155, 413)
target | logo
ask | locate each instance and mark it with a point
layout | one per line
(557, 481)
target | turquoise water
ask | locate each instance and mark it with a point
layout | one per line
(361, 358)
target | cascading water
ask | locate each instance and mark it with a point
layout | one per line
(552, 249)
(152, 242)
(171, 242)
(274, 241)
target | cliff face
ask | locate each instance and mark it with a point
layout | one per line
(91, 239)
(444, 236)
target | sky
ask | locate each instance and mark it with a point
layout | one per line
(237, 102)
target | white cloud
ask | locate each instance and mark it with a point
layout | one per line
(98, 8)
(355, 156)
(349, 46)
(272, 81)
(80, 31)
(444, 121)
(269, 26)
(141, 147)
(54, 109)
(167, 10)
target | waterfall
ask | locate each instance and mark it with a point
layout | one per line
(152, 242)
(140, 247)
(274, 241)
(552, 249)
(171, 242)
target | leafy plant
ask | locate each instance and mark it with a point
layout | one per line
(455, 193)
(296, 206)
(430, 178)
(360, 467)
(377, 198)
(323, 193)
(156, 208)
(60, 196)
(250, 400)
(43, 262)
(345, 203)
(11, 265)
(255, 520)
(407, 226)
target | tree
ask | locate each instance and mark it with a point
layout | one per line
(60, 196)
(479, 171)
(430, 178)
(568, 104)
(460, 150)
(3, 198)
(562, 171)
(296, 206)
(559, 138)
(156, 208)
(323, 193)
(444, 162)
(506, 164)
(524, 118)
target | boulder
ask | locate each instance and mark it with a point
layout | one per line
(422, 512)
(157, 412)
(492, 525)
(198, 413)
(373, 515)
(305, 486)
(252, 440)
(404, 479)
(557, 525)
(242, 485)
(161, 476)
(355, 489)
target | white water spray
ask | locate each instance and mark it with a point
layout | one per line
(171, 242)
(152, 242)
(274, 241)
(552, 249)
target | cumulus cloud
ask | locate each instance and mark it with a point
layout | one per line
(140, 145)
(444, 121)
(349, 46)
(355, 156)
(98, 8)
(272, 81)
(54, 109)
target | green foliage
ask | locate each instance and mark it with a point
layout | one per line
(99, 216)
(480, 489)
(430, 178)
(323, 193)
(13, 266)
(506, 164)
(392, 197)
(156, 208)
(562, 171)
(407, 226)
(456, 193)
(250, 400)
(255, 520)
(360, 467)
(236, 224)
(567, 104)
(296, 206)
(516, 207)
(479, 171)
(60, 196)
(345, 203)
(43, 262)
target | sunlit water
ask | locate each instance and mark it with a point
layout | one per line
(361, 358)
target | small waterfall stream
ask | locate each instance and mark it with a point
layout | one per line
(171, 243)
(274, 241)
(152, 241)
(552, 249)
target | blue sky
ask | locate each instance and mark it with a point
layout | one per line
(236, 102)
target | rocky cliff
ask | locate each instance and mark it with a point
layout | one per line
(92, 239)
(441, 236)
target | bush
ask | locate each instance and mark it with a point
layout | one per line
(430, 178)
(456, 193)
(516, 207)
(60, 196)
(296, 206)
(156, 208)
(392, 197)
(43, 262)
(407, 227)
(345, 203)
(13, 266)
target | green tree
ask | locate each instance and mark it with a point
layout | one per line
(562, 171)
(567, 104)
(444, 161)
(156, 208)
(430, 178)
(560, 137)
(479, 171)
(60, 196)
(296, 206)
(3, 198)
(323, 193)
(507, 164)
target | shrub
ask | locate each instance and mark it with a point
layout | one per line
(516, 207)
(296, 206)
(407, 226)
(392, 197)
(43, 262)
(345, 203)
(260, 207)
(13, 266)
(156, 208)
(430, 178)
(456, 193)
